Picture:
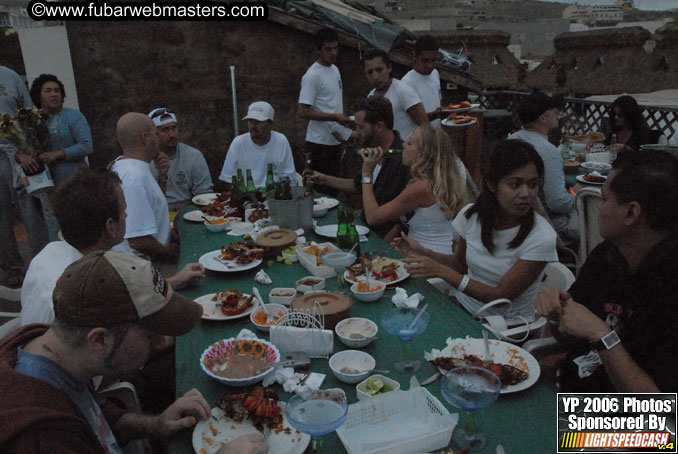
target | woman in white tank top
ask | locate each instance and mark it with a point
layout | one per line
(435, 193)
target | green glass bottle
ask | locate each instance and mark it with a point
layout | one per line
(353, 236)
(242, 188)
(343, 239)
(270, 181)
(286, 189)
(251, 189)
(236, 193)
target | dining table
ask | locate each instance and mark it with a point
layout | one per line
(522, 422)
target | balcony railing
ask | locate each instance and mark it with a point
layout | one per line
(583, 115)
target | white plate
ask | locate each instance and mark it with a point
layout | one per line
(212, 432)
(204, 199)
(402, 275)
(455, 125)
(461, 109)
(207, 260)
(324, 202)
(502, 353)
(210, 311)
(581, 179)
(197, 216)
(330, 230)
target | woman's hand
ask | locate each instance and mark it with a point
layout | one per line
(423, 267)
(407, 246)
(27, 162)
(371, 157)
(49, 157)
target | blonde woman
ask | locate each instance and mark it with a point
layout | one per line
(434, 195)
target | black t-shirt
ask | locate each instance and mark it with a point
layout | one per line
(642, 307)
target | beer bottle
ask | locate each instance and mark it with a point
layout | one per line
(236, 194)
(343, 239)
(278, 191)
(270, 181)
(251, 189)
(352, 231)
(286, 190)
(306, 176)
(242, 188)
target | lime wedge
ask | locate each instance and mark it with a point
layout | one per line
(375, 384)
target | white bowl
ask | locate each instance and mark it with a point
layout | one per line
(370, 296)
(602, 167)
(275, 298)
(339, 260)
(241, 228)
(366, 328)
(226, 347)
(273, 309)
(293, 257)
(320, 212)
(304, 288)
(394, 385)
(216, 227)
(231, 220)
(353, 360)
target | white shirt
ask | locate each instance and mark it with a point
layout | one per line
(432, 229)
(44, 271)
(188, 176)
(402, 97)
(428, 89)
(321, 88)
(147, 210)
(245, 154)
(538, 246)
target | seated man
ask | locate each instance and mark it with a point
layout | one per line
(374, 125)
(148, 231)
(259, 147)
(90, 207)
(110, 308)
(181, 170)
(539, 116)
(619, 314)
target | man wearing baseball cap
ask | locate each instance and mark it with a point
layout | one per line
(259, 147)
(110, 307)
(539, 116)
(181, 170)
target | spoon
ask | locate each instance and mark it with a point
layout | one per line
(269, 317)
(407, 331)
(488, 358)
(358, 336)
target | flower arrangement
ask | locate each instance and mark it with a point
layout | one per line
(28, 131)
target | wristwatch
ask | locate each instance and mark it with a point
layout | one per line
(366, 180)
(607, 341)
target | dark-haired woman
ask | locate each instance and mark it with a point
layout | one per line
(504, 244)
(628, 127)
(70, 135)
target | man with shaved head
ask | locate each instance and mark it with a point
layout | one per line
(148, 225)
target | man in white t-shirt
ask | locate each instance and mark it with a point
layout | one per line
(91, 210)
(259, 147)
(321, 102)
(181, 170)
(148, 224)
(408, 110)
(424, 77)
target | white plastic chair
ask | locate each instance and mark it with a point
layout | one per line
(9, 326)
(588, 200)
(10, 294)
(125, 393)
(556, 275)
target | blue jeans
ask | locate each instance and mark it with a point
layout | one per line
(31, 214)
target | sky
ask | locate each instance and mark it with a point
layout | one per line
(656, 5)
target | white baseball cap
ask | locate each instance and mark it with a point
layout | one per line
(260, 111)
(157, 116)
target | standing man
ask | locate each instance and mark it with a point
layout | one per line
(424, 78)
(181, 170)
(148, 224)
(321, 102)
(259, 147)
(408, 110)
(539, 115)
(13, 95)
(374, 127)
(618, 317)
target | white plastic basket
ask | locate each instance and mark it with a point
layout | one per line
(398, 422)
(308, 261)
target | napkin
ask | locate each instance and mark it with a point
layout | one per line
(291, 381)
(246, 334)
(300, 240)
(263, 278)
(400, 299)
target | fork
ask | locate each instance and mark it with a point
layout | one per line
(226, 264)
(488, 358)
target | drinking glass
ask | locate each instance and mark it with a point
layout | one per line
(317, 413)
(470, 389)
(399, 323)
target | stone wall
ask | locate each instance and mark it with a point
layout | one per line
(137, 66)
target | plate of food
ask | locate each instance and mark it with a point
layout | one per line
(517, 369)
(226, 425)
(199, 216)
(458, 120)
(226, 305)
(211, 197)
(330, 230)
(384, 269)
(592, 178)
(459, 107)
(238, 256)
(322, 203)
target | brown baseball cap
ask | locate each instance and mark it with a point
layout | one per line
(107, 288)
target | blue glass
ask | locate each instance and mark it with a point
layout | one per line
(317, 415)
(399, 323)
(470, 389)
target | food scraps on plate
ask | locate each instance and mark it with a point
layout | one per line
(233, 301)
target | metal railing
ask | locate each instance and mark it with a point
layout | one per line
(583, 116)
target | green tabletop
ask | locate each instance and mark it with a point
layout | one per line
(522, 422)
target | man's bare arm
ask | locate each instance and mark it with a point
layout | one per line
(153, 248)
